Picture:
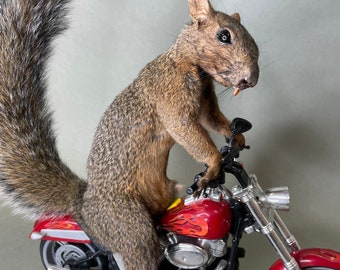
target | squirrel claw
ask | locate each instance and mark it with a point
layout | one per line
(202, 186)
(197, 194)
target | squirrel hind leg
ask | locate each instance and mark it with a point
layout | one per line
(125, 227)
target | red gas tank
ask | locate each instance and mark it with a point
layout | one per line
(202, 218)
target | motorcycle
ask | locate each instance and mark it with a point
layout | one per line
(199, 231)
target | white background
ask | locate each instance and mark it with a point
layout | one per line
(294, 109)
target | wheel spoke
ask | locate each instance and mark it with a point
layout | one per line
(59, 253)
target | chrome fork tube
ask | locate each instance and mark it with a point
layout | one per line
(266, 227)
(286, 234)
(280, 225)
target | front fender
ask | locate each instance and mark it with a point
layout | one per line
(313, 257)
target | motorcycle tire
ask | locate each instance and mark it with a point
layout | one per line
(63, 254)
(318, 268)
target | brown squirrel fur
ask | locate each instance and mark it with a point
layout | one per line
(172, 100)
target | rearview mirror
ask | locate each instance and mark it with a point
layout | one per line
(240, 125)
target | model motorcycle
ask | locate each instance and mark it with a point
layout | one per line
(200, 231)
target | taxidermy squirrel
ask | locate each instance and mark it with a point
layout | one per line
(172, 100)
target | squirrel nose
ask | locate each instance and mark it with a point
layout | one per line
(249, 79)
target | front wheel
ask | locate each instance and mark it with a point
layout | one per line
(66, 255)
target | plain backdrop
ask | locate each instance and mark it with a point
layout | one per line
(294, 109)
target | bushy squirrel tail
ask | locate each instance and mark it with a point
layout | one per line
(32, 176)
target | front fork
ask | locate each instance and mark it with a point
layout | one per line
(266, 227)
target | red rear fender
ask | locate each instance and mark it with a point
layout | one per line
(58, 228)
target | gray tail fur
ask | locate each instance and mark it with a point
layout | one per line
(32, 176)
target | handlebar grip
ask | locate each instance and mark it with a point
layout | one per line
(190, 190)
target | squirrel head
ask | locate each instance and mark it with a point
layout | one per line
(221, 46)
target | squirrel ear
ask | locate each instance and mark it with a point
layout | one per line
(236, 16)
(200, 10)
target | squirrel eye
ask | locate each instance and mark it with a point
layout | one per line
(224, 36)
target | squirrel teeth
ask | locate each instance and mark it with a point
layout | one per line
(236, 91)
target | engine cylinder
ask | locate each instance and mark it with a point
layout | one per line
(186, 255)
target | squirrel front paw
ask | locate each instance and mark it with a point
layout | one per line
(202, 185)
(211, 173)
(240, 141)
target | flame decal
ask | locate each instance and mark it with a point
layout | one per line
(188, 224)
(203, 218)
(60, 225)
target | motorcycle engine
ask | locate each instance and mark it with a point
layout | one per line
(191, 253)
